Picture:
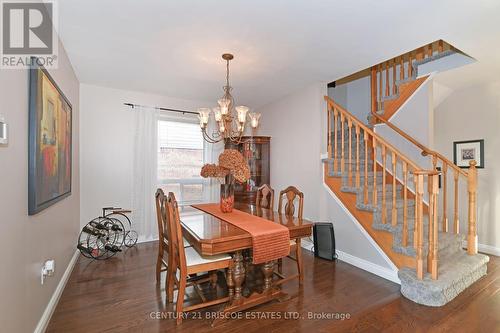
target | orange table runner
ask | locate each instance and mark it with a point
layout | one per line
(270, 240)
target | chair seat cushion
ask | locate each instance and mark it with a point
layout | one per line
(194, 258)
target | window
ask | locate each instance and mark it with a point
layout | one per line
(180, 158)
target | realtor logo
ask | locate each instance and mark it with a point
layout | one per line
(28, 31)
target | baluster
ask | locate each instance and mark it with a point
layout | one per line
(420, 54)
(445, 203)
(434, 162)
(419, 223)
(472, 188)
(373, 88)
(357, 156)
(342, 147)
(435, 245)
(374, 187)
(430, 225)
(365, 196)
(456, 222)
(415, 226)
(329, 133)
(410, 67)
(387, 78)
(401, 68)
(335, 139)
(405, 204)
(380, 86)
(430, 49)
(394, 76)
(394, 209)
(349, 164)
(384, 160)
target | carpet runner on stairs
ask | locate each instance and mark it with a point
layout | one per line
(457, 269)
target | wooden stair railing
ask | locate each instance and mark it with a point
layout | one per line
(338, 120)
(470, 177)
(388, 77)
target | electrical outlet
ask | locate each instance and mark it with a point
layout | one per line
(48, 269)
(3, 131)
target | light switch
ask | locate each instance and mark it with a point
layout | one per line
(3, 131)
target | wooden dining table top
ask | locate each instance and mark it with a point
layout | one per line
(210, 235)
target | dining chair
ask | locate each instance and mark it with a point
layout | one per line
(265, 197)
(286, 207)
(163, 238)
(163, 248)
(186, 262)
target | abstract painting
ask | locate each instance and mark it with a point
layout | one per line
(50, 149)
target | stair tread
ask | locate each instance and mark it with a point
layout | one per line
(454, 276)
(449, 271)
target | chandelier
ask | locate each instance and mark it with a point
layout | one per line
(229, 120)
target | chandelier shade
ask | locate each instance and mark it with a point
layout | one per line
(230, 121)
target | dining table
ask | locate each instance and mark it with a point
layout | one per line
(211, 235)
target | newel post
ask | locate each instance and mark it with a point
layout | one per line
(472, 227)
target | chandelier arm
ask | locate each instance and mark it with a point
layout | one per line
(208, 138)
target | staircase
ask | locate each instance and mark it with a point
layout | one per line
(395, 80)
(403, 209)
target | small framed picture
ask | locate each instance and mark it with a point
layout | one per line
(466, 151)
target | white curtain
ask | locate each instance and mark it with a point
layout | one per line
(145, 173)
(211, 155)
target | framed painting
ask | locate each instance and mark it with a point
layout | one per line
(466, 151)
(50, 146)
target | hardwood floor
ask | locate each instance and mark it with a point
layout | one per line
(121, 295)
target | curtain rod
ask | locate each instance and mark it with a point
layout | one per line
(159, 108)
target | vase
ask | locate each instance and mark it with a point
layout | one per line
(226, 198)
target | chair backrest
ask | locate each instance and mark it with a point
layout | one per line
(176, 240)
(265, 197)
(290, 194)
(162, 217)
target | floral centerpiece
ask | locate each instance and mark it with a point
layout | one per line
(232, 167)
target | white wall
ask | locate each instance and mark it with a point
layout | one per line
(359, 98)
(297, 125)
(27, 241)
(107, 130)
(354, 96)
(469, 114)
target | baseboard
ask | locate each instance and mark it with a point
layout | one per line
(145, 240)
(484, 248)
(360, 227)
(51, 306)
(488, 249)
(363, 264)
(307, 245)
(378, 270)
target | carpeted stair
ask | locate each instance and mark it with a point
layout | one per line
(457, 269)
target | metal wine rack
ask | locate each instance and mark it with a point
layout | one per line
(105, 235)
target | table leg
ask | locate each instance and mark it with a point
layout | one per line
(238, 274)
(230, 282)
(267, 269)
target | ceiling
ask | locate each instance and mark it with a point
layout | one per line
(173, 48)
